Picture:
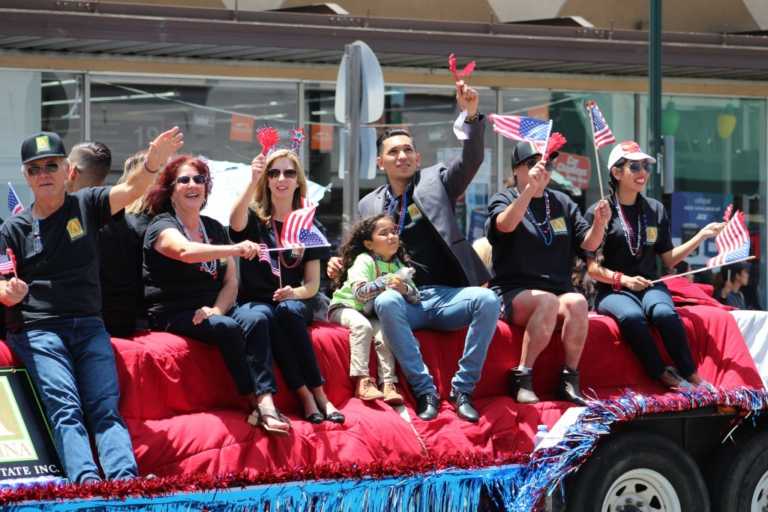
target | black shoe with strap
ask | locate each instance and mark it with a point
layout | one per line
(427, 406)
(462, 403)
(569, 388)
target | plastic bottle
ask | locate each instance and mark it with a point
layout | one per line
(541, 432)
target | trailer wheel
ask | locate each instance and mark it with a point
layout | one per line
(637, 472)
(740, 481)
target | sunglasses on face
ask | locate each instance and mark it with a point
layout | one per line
(34, 170)
(197, 178)
(288, 174)
(638, 166)
(531, 163)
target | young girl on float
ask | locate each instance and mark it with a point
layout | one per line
(373, 260)
(638, 231)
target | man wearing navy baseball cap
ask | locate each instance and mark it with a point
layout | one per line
(53, 303)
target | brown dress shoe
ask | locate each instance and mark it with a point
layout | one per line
(367, 390)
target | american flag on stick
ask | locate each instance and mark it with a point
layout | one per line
(265, 257)
(8, 263)
(600, 129)
(535, 131)
(297, 221)
(14, 202)
(732, 242)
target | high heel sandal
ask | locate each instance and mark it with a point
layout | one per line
(260, 415)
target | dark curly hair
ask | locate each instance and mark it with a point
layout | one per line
(353, 246)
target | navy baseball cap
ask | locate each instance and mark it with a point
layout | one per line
(42, 145)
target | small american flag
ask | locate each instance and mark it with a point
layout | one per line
(14, 203)
(265, 257)
(312, 237)
(529, 129)
(600, 129)
(732, 242)
(7, 263)
(298, 220)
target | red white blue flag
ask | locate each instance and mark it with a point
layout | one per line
(8, 263)
(600, 129)
(535, 131)
(732, 242)
(14, 203)
(265, 257)
(299, 229)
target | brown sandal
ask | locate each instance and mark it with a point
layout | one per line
(258, 418)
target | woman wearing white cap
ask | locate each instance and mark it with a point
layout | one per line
(637, 232)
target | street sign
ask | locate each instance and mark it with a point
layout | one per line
(371, 81)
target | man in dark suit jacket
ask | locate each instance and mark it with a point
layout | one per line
(448, 271)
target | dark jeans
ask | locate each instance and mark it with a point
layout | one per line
(243, 339)
(291, 343)
(633, 310)
(72, 365)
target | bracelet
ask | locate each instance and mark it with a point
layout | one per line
(473, 118)
(146, 168)
(617, 281)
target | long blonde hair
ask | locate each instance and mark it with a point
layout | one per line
(262, 198)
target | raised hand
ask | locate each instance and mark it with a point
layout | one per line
(467, 98)
(711, 230)
(602, 213)
(258, 165)
(163, 147)
(537, 177)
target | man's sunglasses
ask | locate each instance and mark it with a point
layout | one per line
(197, 178)
(638, 166)
(531, 163)
(288, 174)
(34, 170)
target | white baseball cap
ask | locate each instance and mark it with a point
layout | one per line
(629, 150)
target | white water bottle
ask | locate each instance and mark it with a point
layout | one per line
(541, 433)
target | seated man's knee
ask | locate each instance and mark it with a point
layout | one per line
(487, 301)
(548, 305)
(575, 305)
(386, 300)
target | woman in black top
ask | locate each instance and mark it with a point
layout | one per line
(639, 231)
(279, 296)
(536, 233)
(191, 284)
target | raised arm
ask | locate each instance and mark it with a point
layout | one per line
(507, 220)
(160, 149)
(172, 244)
(461, 171)
(596, 232)
(238, 218)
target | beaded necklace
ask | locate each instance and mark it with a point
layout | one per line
(543, 228)
(629, 233)
(210, 267)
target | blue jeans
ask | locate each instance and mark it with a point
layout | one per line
(72, 365)
(445, 309)
(633, 310)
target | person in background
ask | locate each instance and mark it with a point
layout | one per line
(734, 278)
(90, 163)
(53, 304)
(682, 268)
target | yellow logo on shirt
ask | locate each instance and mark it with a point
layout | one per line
(651, 233)
(75, 229)
(559, 227)
(414, 212)
(43, 143)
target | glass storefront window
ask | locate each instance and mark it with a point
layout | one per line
(219, 118)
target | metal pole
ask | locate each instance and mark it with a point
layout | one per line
(85, 111)
(654, 91)
(351, 173)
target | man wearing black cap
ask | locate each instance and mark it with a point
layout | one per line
(536, 233)
(53, 303)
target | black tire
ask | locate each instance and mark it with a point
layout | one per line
(641, 467)
(737, 471)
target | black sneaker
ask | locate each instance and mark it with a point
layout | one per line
(462, 403)
(427, 405)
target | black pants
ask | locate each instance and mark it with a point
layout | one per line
(243, 338)
(633, 310)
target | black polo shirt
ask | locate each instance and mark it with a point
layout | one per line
(522, 258)
(172, 286)
(257, 282)
(58, 258)
(656, 239)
